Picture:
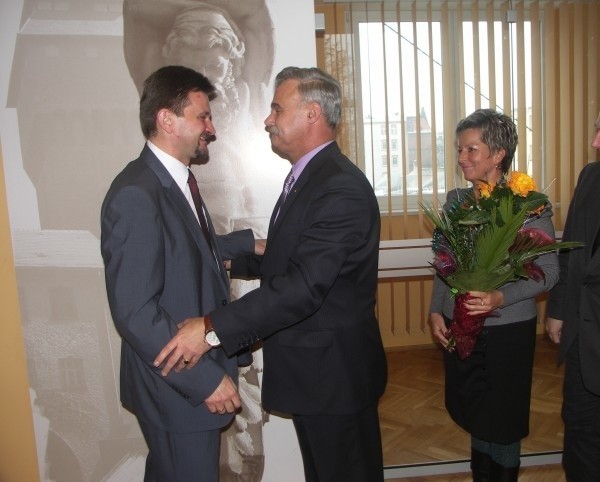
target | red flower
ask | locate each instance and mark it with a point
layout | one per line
(537, 236)
(444, 262)
(530, 238)
(534, 271)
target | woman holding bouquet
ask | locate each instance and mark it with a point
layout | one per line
(488, 371)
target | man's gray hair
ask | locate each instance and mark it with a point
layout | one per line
(316, 86)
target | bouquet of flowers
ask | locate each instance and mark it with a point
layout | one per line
(482, 243)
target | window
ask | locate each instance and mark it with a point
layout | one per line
(416, 73)
(389, 51)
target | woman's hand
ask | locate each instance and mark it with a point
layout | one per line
(481, 302)
(438, 328)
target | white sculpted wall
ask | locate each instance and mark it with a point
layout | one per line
(71, 71)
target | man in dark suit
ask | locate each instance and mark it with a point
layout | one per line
(323, 357)
(163, 264)
(573, 320)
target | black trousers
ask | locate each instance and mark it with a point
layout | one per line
(341, 448)
(581, 416)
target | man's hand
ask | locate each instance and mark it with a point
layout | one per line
(185, 349)
(225, 398)
(259, 246)
(554, 328)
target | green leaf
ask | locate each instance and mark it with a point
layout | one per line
(475, 217)
(481, 234)
(493, 243)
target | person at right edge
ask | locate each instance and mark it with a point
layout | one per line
(488, 393)
(573, 320)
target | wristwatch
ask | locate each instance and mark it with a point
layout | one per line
(210, 336)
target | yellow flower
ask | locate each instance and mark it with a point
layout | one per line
(485, 189)
(521, 184)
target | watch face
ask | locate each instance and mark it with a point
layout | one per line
(212, 339)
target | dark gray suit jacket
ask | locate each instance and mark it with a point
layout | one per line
(159, 271)
(315, 308)
(576, 297)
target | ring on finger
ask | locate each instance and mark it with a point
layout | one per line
(186, 362)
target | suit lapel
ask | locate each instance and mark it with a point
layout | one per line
(274, 213)
(182, 207)
(313, 166)
(590, 196)
(277, 219)
(594, 265)
(215, 244)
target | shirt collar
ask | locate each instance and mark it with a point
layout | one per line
(301, 163)
(177, 169)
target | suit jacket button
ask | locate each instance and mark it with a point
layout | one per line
(223, 302)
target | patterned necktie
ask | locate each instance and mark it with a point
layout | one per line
(199, 210)
(287, 186)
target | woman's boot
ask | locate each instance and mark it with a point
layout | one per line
(499, 473)
(480, 466)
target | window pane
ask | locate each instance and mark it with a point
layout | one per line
(401, 76)
(499, 99)
(405, 98)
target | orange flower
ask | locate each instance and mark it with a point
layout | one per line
(485, 189)
(521, 184)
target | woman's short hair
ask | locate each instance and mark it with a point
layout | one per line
(498, 131)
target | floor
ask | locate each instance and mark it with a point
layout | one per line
(548, 473)
(416, 428)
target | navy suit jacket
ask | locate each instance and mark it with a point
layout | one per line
(159, 271)
(576, 297)
(315, 308)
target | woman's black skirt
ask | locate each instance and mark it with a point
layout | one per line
(488, 394)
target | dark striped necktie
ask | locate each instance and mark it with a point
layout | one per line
(199, 207)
